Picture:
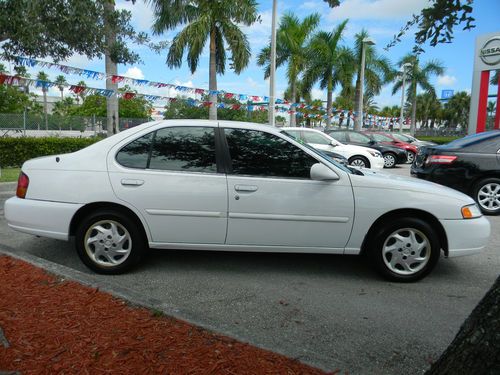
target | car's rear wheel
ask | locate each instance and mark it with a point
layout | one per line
(410, 156)
(109, 242)
(406, 249)
(487, 195)
(389, 160)
(359, 161)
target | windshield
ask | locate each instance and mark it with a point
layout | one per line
(319, 153)
(381, 137)
(402, 137)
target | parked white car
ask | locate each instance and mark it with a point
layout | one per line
(357, 156)
(208, 185)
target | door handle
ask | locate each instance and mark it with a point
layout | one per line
(246, 188)
(129, 182)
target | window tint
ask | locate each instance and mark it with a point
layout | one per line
(293, 133)
(184, 149)
(360, 138)
(381, 138)
(339, 136)
(313, 137)
(478, 140)
(257, 153)
(136, 153)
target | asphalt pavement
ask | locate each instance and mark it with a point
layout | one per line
(330, 311)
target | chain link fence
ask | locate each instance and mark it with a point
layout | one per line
(35, 125)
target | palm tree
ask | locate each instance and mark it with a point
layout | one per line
(21, 71)
(428, 107)
(417, 76)
(42, 76)
(492, 106)
(291, 40)
(216, 21)
(81, 95)
(495, 77)
(328, 63)
(457, 109)
(61, 83)
(378, 71)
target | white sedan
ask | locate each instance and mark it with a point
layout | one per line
(208, 185)
(358, 156)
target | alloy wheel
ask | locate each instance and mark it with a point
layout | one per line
(488, 196)
(358, 163)
(389, 160)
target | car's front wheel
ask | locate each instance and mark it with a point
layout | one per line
(109, 242)
(389, 160)
(410, 156)
(405, 249)
(487, 195)
(359, 161)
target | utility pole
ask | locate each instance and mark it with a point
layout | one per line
(272, 84)
(401, 116)
(358, 123)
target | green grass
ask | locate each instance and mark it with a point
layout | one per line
(437, 139)
(9, 174)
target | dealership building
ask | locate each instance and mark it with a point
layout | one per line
(486, 62)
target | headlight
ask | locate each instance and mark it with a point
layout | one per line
(375, 154)
(471, 211)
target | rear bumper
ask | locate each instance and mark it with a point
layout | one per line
(466, 237)
(40, 218)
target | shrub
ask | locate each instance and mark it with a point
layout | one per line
(439, 139)
(15, 151)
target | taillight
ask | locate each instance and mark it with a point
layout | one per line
(22, 185)
(440, 159)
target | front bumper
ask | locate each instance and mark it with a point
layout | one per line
(377, 163)
(466, 237)
(40, 218)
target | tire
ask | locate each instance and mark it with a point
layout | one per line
(408, 238)
(389, 160)
(410, 157)
(359, 161)
(487, 195)
(109, 242)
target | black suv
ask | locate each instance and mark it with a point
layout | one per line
(392, 155)
(470, 164)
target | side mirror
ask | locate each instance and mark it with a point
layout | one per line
(321, 172)
(333, 144)
(371, 142)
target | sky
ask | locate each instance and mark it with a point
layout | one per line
(382, 19)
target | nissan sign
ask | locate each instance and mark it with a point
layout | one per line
(490, 53)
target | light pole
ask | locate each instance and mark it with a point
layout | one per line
(367, 41)
(273, 67)
(401, 115)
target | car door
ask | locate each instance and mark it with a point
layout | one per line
(274, 202)
(171, 176)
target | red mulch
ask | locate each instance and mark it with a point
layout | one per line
(56, 326)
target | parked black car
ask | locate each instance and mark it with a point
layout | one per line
(392, 155)
(470, 164)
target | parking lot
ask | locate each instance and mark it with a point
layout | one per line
(330, 311)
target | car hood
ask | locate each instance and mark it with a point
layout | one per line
(354, 148)
(382, 180)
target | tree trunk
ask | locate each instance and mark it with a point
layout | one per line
(476, 348)
(212, 80)
(357, 95)
(329, 95)
(44, 91)
(413, 124)
(111, 69)
(62, 94)
(293, 100)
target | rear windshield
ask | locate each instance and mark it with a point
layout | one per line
(473, 139)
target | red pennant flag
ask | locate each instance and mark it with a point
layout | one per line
(128, 95)
(117, 79)
(3, 77)
(199, 91)
(77, 89)
(229, 95)
(207, 104)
